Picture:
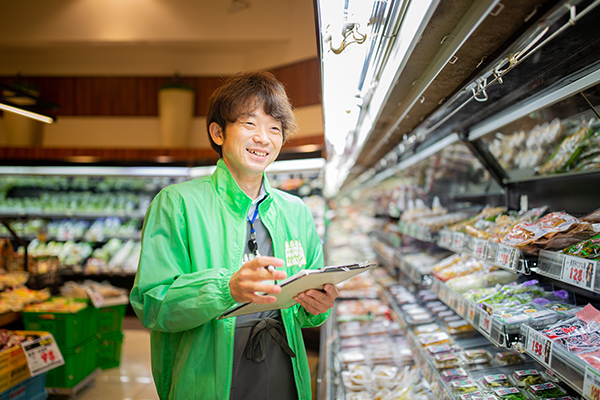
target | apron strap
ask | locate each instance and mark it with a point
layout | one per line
(258, 338)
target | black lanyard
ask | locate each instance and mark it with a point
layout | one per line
(252, 245)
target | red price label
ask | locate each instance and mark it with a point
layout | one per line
(485, 322)
(591, 383)
(579, 272)
(506, 257)
(539, 347)
(457, 241)
(481, 248)
(471, 312)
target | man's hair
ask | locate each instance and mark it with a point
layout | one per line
(245, 92)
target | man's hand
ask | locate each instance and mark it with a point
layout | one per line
(249, 279)
(318, 301)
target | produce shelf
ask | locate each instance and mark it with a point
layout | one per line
(577, 271)
(417, 231)
(568, 367)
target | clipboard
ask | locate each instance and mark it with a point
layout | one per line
(298, 283)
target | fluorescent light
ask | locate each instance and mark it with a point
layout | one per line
(309, 164)
(25, 113)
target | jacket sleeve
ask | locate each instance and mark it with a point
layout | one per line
(167, 296)
(314, 260)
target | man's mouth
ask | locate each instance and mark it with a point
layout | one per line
(258, 153)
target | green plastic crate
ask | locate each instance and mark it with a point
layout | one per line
(109, 350)
(80, 362)
(110, 319)
(69, 329)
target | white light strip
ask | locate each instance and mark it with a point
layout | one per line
(309, 164)
(98, 171)
(520, 110)
(197, 172)
(25, 113)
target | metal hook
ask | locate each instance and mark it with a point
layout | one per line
(480, 89)
(497, 10)
(453, 60)
(573, 15)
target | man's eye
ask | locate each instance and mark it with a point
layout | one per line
(250, 124)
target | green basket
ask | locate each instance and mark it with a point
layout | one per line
(110, 319)
(109, 350)
(68, 329)
(80, 362)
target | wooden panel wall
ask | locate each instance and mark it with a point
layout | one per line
(137, 96)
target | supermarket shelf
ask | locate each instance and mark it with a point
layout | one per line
(396, 313)
(418, 232)
(135, 236)
(413, 273)
(390, 265)
(568, 367)
(492, 328)
(497, 254)
(72, 214)
(429, 372)
(325, 374)
(577, 271)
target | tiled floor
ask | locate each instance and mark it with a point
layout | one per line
(132, 380)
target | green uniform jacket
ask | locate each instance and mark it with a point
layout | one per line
(192, 243)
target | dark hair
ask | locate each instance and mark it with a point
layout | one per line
(245, 92)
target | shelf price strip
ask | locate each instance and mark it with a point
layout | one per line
(591, 384)
(480, 248)
(539, 347)
(485, 319)
(42, 354)
(579, 272)
(506, 257)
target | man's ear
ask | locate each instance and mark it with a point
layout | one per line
(216, 133)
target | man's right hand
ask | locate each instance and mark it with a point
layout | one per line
(249, 280)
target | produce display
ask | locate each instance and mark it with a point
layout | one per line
(57, 305)
(79, 290)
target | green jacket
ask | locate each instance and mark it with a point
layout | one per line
(192, 243)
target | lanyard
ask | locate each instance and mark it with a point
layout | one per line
(252, 245)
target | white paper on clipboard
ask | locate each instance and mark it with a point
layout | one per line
(298, 283)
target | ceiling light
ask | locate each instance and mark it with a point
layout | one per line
(26, 113)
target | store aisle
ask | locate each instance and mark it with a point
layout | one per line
(132, 380)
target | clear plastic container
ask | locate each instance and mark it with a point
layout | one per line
(508, 357)
(446, 360)
(511, 393)
(546, 390)
(527, 377)
(464, 387)
(454, 374)
(493, 382)
(476, 358)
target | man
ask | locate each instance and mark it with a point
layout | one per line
(209, 243)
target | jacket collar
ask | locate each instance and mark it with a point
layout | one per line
(229, 190)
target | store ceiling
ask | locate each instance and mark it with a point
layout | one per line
(482, 49)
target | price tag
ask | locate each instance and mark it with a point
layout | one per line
(95, 296)
(458, 240)
(539, 347)
(470, 312)
(591, 384)
(506, 256)
(42, 354)
(485, 319)
(481, 248)
(445, 238)
(579, 272)
(461, 307)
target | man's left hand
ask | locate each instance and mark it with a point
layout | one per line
(318, 301)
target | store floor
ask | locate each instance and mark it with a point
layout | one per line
(132, 380)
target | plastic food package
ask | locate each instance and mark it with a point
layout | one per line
(446, 360)
(454, 374)
(527, 377)
(462, 268)
(463, 387)
(476, 357)
(525, 233)
(458, 327)
(587, 249)
(511, 393)
(481, 280)
(495, 381)
(508, 357)
(565, 154)
(428, 339)
(546, 390)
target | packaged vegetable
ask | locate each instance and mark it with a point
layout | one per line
(463, 387)
(546, 391)
(526, 377)
(454, 374)
(508, 357)
(495, 381)
(587, 249)
(511, 393)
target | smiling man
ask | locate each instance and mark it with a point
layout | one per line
(210, 243)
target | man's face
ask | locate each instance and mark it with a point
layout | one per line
(251, 143)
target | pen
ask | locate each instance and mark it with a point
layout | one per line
(271, 269)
